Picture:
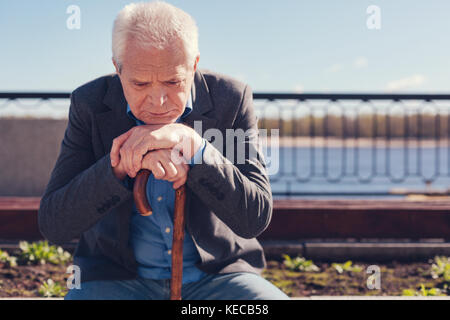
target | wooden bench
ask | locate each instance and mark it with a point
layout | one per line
(18, 218)
(293, 219)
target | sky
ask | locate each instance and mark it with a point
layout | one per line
(274, 46)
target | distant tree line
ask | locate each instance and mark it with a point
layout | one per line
(424, 126)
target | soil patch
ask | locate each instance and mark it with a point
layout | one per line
(25, 280)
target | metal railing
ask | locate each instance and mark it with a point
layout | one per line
(341, 144)
(389, 140)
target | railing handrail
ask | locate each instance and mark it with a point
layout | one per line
(351, 96)
(34, 95)
(268, 96)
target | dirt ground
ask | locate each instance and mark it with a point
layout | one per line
(394, 278)
(24, 281)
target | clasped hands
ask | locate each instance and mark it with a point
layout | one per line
(164, 149)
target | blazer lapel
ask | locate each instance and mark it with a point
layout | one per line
(202, 107)
(202, 104)
(115, 121)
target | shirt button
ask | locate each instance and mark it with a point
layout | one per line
(169, 252)
(167, 230)
(159, 198)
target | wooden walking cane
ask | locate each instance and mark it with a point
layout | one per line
(144, 208)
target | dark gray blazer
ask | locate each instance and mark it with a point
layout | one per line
(227, 205)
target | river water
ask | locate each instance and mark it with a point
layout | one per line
(324, 172)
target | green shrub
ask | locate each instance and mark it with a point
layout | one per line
(423, 292)
(441, 268)
(41, 253)
(299, 264)
(52, 289)
(347, 266)
(6, 259)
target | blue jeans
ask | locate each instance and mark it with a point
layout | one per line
(228, 286)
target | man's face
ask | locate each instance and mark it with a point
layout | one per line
(156, 83)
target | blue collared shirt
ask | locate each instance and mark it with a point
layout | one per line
(151, 236)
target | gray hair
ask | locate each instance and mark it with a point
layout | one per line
(154, 25)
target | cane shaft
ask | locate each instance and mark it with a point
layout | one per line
(177, 244)
(144, 208)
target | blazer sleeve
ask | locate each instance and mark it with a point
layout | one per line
(81, 189)
(238, 192)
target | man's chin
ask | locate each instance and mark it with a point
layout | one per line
(160, 121)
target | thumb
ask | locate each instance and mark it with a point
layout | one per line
(117, 144)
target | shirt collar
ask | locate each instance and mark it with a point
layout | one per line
(187, 110)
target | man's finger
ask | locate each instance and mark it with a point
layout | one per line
(171, 170)
(151, 162)
(117, 143)
(138, 153)
(183, 170)
(159, 171)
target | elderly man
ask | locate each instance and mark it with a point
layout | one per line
(139, 119)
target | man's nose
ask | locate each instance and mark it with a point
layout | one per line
(158, 96)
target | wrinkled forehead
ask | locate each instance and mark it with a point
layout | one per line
(144, 72)
(170, 59)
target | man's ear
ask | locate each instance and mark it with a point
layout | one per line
(196, 62)
(115, 66)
